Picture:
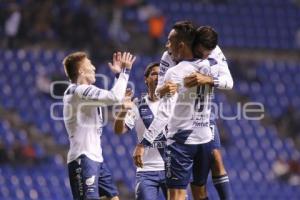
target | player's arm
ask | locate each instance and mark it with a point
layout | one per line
(116, 94)
(196, 79)
(221, 80)
(91, 93)
(165, 111)
(125, 119)
(163, 88)
(224, 79)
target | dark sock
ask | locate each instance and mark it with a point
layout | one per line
(223, 187)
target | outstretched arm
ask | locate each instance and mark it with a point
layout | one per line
(120, 125)
(116, 94)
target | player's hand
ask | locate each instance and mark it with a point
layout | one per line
(127, 60)
(169, 88)
(196, 79)
(127, 103)
(116, 64)
(138, 154)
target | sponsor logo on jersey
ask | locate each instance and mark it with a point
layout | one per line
(147, 117)
(158, 144)
(200, 124)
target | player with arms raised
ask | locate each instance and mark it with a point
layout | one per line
(89, 177)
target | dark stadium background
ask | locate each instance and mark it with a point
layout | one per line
(260, 38)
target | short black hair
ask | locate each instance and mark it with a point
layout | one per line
(186, 32)
(149, 68)
(207, 37)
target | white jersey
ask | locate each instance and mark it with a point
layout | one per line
(83, 117)
(187, 113)
(141, 117)
(221, 74)
(166, 63)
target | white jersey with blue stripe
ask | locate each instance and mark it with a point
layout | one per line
(187, 113)
(140, 118)
(220, 73)
(83, 117)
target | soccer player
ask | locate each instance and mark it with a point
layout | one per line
(205, 47)
(150, 177)
(187, 115)
(88, 174)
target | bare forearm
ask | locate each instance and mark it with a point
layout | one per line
(208, 80)
(119, 126)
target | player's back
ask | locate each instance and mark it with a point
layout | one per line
(83, 124)
(190, 119)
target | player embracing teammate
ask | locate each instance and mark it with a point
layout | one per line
(193, 142)
(178, 137)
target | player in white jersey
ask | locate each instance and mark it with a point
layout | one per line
(150, 177)
(187, 115)
(89, 177)
(205, 48)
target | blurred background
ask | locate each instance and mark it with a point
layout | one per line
(260, 38)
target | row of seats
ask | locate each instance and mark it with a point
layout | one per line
(281, 90)
(244, 24)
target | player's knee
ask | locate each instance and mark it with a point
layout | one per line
(176, 194)
(199, 192)
(114, 198)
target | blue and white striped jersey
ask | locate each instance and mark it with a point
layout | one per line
(140, 118)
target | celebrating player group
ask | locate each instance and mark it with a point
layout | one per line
(178, 140)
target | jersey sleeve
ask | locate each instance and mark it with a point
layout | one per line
(164, 112)
(107, 97)
(166, 62)
(222, 79)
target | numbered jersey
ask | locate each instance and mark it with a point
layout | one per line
(140, 118)
(187, 113)
(190, 119)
